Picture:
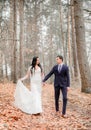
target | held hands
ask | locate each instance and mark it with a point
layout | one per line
(44, 84)
(68, 88)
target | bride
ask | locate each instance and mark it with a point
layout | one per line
(26, 100)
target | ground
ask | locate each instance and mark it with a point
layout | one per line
(78, 111)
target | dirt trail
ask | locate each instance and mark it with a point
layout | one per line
(78, 111)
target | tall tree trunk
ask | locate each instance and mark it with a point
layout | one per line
(41, 39)
(1, 41)
(1, 66)
(6, 71)
(11, 36)
(51, 52)
(69, 41)
(74, 49)
(81, 47)
(35, 28)
(62, 34)
(51, 46)
(21, 15)
(14, 43)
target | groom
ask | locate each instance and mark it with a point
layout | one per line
(61, 82)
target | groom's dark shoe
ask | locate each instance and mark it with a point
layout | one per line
(64, 116)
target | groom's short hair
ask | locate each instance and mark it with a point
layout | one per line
(60, 57)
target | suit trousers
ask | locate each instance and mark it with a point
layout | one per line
(64, 95)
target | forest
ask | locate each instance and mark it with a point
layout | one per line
(46, 28)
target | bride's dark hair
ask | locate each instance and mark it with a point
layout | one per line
(34, 60)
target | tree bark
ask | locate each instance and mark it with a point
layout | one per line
(14, 43)
(74, 47)
(81, 47)
(1, 66)
(62, 34)
(21, 15)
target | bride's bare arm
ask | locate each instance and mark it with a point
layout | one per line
(42, 75)
(27, 75)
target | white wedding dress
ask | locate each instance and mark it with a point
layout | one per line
(26, 100)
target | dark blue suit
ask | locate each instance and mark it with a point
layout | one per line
(61, 82)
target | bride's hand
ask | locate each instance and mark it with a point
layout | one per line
(44, 83)
(20, 80)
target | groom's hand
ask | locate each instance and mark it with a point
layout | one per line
(68, 88)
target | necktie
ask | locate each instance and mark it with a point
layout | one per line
(59, 68)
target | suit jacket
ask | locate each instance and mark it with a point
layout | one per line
(61, 78)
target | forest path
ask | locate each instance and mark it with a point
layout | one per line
(78, 111)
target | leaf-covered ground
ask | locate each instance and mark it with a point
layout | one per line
(78, 111)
